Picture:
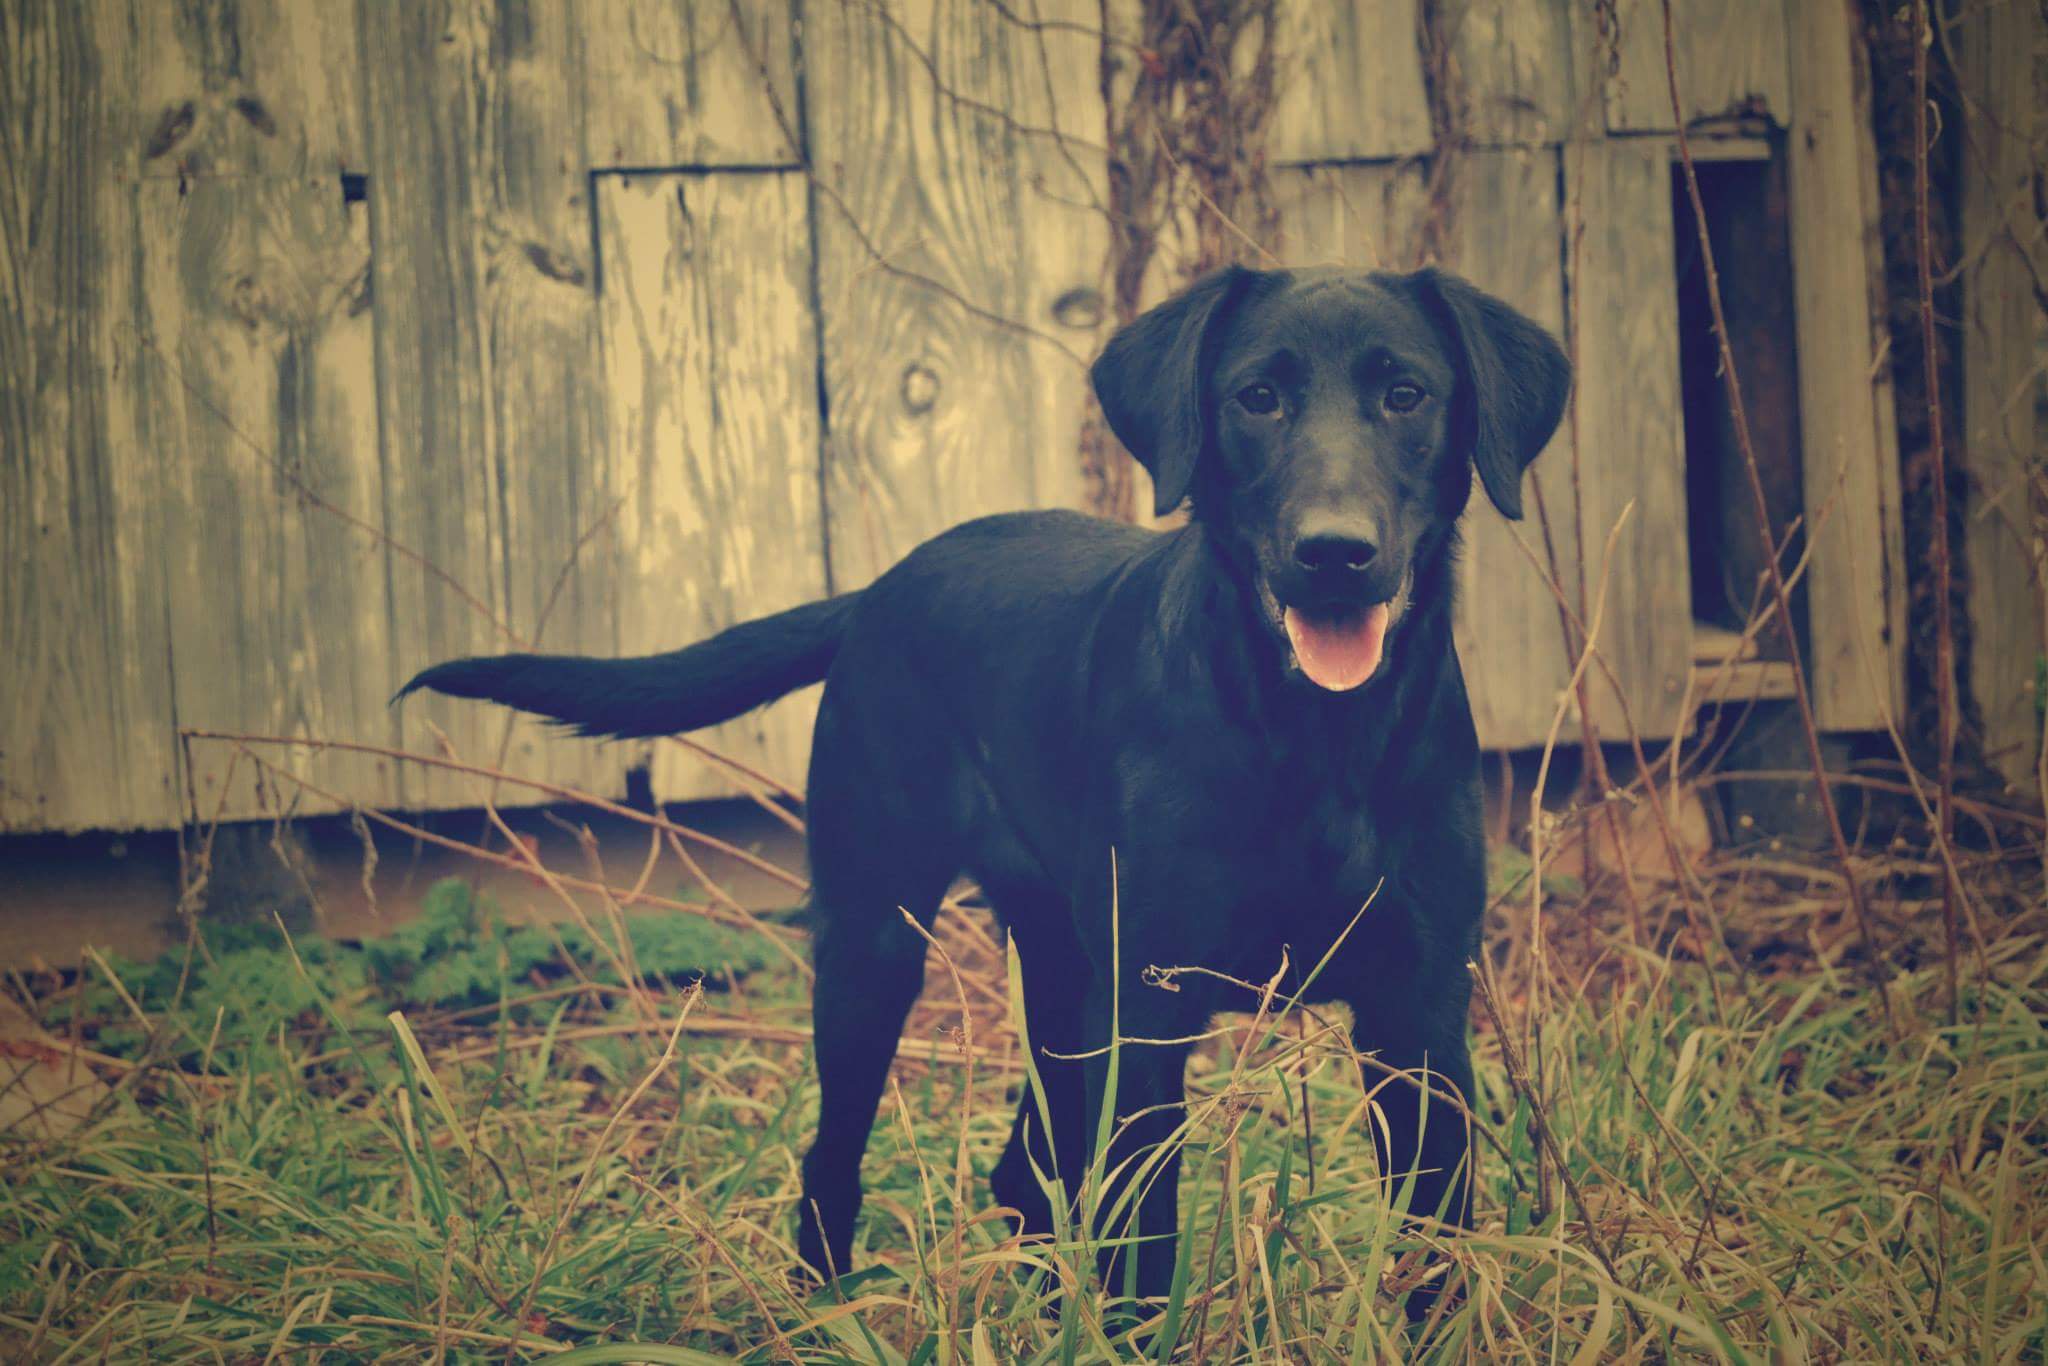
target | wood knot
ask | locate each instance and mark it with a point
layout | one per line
(170, 130)
(553, 264)
(359, 293)
(1080, 307)
(246, 301)
(252, 111)
(920, 388)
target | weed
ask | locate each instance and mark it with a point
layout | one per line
(521, 1167)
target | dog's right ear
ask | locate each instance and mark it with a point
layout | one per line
(1149, 381)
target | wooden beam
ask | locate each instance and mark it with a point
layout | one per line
(669, 84)
(252, 392)
(1999, 49)
(1507, 236)
(263, 90)
(1630, 425)
(1361, 215)
(1855, 585)
(85, 723)
(254, 407)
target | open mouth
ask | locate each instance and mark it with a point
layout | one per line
(1338, 647)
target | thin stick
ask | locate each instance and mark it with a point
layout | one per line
(572, 794)
(1539, 1120)
(912, 1048)
(427, 836)
(1944, 628)
(732, 904)
(745, 770)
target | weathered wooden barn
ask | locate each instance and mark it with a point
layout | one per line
(344, 338)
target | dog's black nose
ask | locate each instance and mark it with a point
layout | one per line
(1333, 556)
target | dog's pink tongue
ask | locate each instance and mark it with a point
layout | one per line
(1338, 652)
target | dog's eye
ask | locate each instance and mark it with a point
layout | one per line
(1404, 398)
(1259, 399)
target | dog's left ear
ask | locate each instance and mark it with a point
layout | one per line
(1149, 381)
(1513, 383)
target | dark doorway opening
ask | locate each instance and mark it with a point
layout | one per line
(1748, 223)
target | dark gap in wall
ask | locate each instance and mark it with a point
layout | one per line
(640, 788)
(355, 187)
(1748, 222)
(595, 209)
(700, 168)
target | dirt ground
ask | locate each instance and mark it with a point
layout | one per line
(119, 892)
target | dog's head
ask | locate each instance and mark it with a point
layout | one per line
(1328, 424)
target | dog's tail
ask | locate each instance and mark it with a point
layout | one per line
(698, 685)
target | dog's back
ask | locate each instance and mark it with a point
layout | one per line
(1006, 575)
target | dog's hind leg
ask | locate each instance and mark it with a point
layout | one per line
(870, 967)
(872, 860)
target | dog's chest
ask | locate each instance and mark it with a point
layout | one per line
(1246, 845)
(1303, 819)
(1324, 862)
(1296, 872)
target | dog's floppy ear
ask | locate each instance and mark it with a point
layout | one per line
(1149, 381)
(1513, 382)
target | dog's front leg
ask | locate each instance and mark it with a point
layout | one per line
(1421, 1073)
(1135, 1177)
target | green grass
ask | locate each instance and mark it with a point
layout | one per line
(274, 1170)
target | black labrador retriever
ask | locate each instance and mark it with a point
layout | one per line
(1258, 721)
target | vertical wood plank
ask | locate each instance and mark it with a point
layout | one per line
(1630, 425)
(673, 83)
(340, 568)
(85, 736)
(1349, 81)
(1999, 54)
(958, 251)
(1515, 63)
(248, 292)
(1730, 55)
(1507, 238)
(253, 285)
(439, 490)
(543, 372)
(251, 392)
(486, 359)
(710, 365)
(1849, 446)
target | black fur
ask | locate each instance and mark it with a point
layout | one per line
(683, 690)
(1524, 376)
(1028, 696)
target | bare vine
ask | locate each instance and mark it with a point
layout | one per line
(1187, 104)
